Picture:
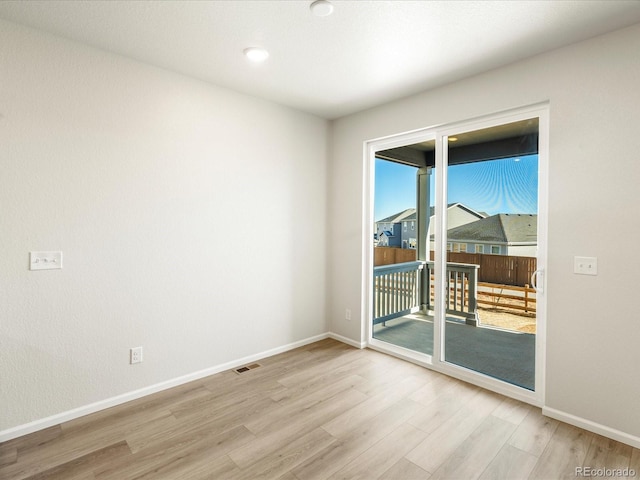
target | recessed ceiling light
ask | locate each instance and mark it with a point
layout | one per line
(256, 54)
(453, 139)
(321, 8)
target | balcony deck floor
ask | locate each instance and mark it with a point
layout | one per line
(505, 355)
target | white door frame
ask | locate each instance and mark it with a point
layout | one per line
(440, 134)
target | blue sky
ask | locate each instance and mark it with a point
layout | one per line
(495, 186)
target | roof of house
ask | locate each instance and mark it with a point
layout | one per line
(499, 228)
(398, 216)
(411, 214)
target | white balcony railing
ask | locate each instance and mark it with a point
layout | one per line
(404, 288)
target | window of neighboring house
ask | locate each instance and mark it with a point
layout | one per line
(479, 248)
(459, 247)
(495, 250)
(405, 226)
(413, 225)
(448, 247)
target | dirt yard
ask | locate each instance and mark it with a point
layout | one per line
(508, 321)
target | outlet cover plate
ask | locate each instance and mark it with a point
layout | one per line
(585, 265)
(135, 355)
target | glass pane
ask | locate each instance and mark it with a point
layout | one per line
(401, 316)
(492, 192)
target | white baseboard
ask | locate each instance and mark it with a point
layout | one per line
(47, 422)
(56, 419)
(346, 340)
(592, 426)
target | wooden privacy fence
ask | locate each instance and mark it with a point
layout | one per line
(499, 269)
(391, 255)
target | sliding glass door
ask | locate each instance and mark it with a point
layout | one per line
(490, 305)
(453, 272)
(402, 268)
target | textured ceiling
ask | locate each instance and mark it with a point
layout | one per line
(366, 53)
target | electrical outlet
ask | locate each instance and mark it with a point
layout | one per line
(135, 355)
(347, 314)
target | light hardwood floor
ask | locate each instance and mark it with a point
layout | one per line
(324, 411)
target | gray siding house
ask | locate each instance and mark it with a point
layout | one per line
(457, 214)
(390, 237)
(387, 231)
(500, 234)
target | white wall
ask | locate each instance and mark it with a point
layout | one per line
(160, 190)
(593, 331)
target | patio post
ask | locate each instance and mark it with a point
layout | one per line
(423, 210)
(473, 297)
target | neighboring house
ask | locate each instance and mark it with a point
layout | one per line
(389, 238)
(409, 230)
(407, 220)
(501, 234)
(457, 214)
(387, 231)
(388, 222)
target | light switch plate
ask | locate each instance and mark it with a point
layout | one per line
(585, 265)
(45, 260)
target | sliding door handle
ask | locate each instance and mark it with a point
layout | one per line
(537, 280)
